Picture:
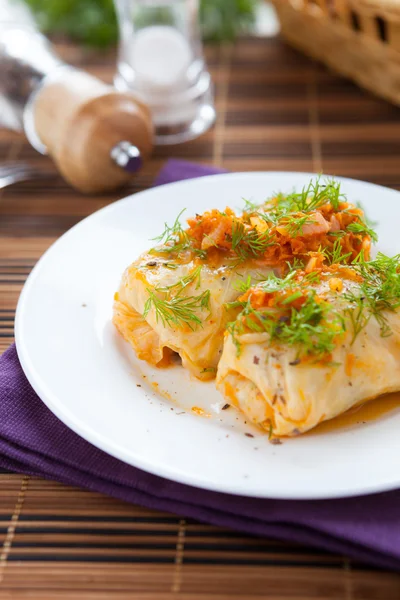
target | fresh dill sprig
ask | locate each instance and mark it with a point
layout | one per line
(248, 243)
(177, 310)
(174, 239)
(181, 284)
(250, 206)
(296, 264)
(295, 224)
(379, 291)
(294, 211)
(367, 219)
(244, 285)
(172, 307)
(363, 229)
(315, 195)
(275, 284)
(171, 232)
(336, 255)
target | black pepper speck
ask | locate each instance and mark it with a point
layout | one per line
(275, 442)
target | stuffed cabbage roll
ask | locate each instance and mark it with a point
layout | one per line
(314, 344)
(178, 297)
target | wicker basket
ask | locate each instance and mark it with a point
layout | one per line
(358, 38)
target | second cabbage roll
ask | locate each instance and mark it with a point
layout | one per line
(311, 346)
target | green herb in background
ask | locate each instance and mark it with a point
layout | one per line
(93, 22)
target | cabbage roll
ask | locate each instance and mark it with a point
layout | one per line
(312, 345)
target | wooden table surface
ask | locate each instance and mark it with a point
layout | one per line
(276, 111)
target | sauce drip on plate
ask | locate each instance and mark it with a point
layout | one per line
(370, 411)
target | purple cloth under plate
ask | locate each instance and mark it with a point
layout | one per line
(34, 441)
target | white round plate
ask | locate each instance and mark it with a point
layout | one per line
(89, 377)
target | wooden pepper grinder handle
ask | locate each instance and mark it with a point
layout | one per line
(81, 120)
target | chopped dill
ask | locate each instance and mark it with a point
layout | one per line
(315, 325)
(313, 329)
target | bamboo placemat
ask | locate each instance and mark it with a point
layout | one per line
(276, 111)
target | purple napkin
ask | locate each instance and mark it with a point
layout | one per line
(35, 442)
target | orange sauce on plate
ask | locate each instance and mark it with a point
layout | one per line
(365, 413)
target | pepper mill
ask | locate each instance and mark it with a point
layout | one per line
(97, 136)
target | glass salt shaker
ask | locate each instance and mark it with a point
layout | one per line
(161, 61)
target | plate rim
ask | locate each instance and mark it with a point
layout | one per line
(97, 440)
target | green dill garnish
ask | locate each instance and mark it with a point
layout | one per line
(296, 264)
(211, 241)
(248, 243)
(314, 326)
(170, 233)
(177, 310)
(379, 291)
(314, 196)
(181, 284)
(173, 308)
(364, 226)
(276, 284)
(250, 206)
(235, 328)
(174, 239)
(313, 277)
(361, 228)
(337, 234)
(336, 255)
(293, 211)
(367, 219)
(292, 297)
(312, 329)
(295, 224)
(243, 286)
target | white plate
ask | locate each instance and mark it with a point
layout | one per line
(88, 376)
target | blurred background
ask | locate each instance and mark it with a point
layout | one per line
(93, 22)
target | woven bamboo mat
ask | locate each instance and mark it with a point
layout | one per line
(277, 111)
